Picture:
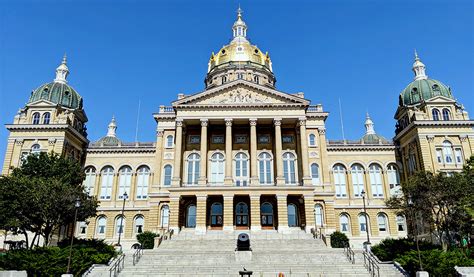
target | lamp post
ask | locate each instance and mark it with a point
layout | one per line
(125, 196)
(366, 217)
(415, 224)
(76, 206)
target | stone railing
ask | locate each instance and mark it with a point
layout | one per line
(166, 109)
(315, 108)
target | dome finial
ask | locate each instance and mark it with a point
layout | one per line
(419, 68)
(239, 28)
(112, 128)
(62, 71)
(369, 125)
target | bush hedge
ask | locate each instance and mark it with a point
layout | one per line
(147, 239)
(52, 261)
(339, 240)
(390, 249)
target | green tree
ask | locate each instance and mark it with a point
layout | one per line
(39, 196)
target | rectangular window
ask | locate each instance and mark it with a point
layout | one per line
(458, 154)
(194, 139)
(439, 156)
(287, 138)
(240, 139)
(218, 139)
(264, 139)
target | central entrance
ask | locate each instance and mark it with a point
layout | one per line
(215, 212)
(242, 211)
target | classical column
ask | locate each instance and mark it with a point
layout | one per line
(280, 179)
(158, 161)
(174, 213)
(255, 212)
(309, 212)
(323, 157)
(203, 169)
(253, 152)
(201, 202)
(304, 151)
(228, 212)
(177, 153)
(282, 213)
(228, 152)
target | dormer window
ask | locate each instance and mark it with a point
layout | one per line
(46, 118)
(446, 114)
(436, 115)
(36, 118)
(415, 95)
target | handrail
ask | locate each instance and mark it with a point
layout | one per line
(137, 255)
(349, 253)
(371, 264)
(117, 266)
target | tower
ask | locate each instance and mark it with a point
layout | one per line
(53, 120)
(433, 131)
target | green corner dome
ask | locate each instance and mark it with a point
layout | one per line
(374, 139)
(58, 93)
(109, 141)
(422, 90)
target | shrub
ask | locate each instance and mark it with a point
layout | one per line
(100, 245)
(435, 261)
(339, 240)
(147, 239)
(389, 249)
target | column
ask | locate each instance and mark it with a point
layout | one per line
(177, 154)
(228, 212)
(158, 161)
(323, 157)
(201, 203)
(309, 212)
(203, 168)
(304, 151)
(282, 213)
(280, 179)
(255, 212)
(228, 152)
(253, 152)
(174, 213)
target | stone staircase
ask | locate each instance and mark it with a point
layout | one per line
(212, 254)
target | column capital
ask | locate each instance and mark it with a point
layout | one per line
(204, 122)
(430, 138)
(228, 122)
(253, 121)
(201, 197)
(463, 138)
(160, 133)
(179, 122)
(322, 131)
(302, 121)
(277, 121)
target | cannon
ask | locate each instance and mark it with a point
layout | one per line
(243, 242)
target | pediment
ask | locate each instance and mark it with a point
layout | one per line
(241, 93)
(440, 99)
(41, 103)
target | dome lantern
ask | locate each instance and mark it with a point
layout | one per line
(239, 28)
(419, 68)
(369, 125)
(62, 71)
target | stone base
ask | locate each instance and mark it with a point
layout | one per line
(200, 230)
(243, 256)
(256, 228)
(422, 274)
(14, 273)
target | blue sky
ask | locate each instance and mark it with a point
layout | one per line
(123, 51)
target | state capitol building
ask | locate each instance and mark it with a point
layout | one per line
(242, 155)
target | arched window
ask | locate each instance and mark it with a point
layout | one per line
(216, 214)
(344, 223)
(292, 215)
(165, 216)
(312, 140)
(168, 174)
(363, 223)
(265, 165)
(436, 114)
(255, 78)
(35, 149)
(241, 169)
(447, 152)
(46, 118)
(315, 174)
(107, 179)
(193, 161)
(191, 216)
(139, 223)
(217, 168)
(446, 114)
(401, 223)
(266, 213)
(36, 118)
(169, 141)
(382, 222)
(375, 172)
(89, 182)
(241, 214)
(318, 215)
(143, 178)
(125, 181)
(357, 172)
(101, 225)
(119, 225)
(339, 172)
(289, 168)
(393, 178)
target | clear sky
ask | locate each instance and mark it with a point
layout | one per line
(123, 51)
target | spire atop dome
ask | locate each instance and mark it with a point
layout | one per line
(419, 68)
(62, 71)
(239, 28)
(369, 125)
(112, 128)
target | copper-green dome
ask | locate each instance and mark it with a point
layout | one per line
(109, 141)
(59, 93)
(422, 90)
(374, 139)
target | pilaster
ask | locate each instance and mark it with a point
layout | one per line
(309, 212)
(255, 212)
(158, 161)
(304, 151)
(228, 212)
(178, 153)
(282, 212)
(174, 213)
(201, 203)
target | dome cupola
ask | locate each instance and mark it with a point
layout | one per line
(370, 136)
(111, 138)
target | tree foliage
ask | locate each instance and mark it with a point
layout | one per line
(40, 196)
(147, 239)
(339, 240)
(438, 200)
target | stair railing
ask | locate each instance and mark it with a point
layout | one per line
(349, 253)
(117, 266)
(137, 255)
(371, 265)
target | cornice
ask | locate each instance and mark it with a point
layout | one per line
(220, 189)
(46, 127)
(434, 123)
(362, 147)
(118, 149)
